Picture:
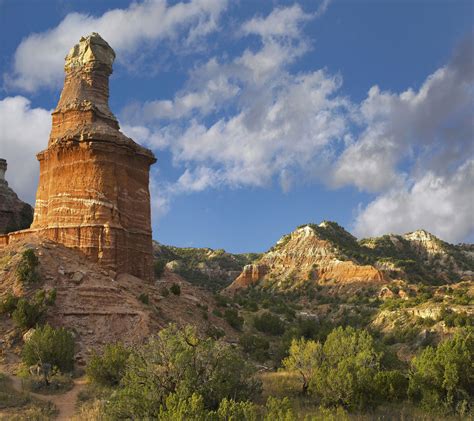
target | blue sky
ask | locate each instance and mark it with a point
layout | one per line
(265, 115)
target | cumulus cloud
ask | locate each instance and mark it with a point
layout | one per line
(282, 122)
(281, 22)
(433, 125)
(39, 59)
(442, 205)
(24, 131)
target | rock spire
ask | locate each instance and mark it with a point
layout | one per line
(93, 192)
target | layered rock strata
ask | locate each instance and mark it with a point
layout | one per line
(302, 257)
(93, 191)
(14, 214)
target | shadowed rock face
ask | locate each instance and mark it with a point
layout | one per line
(93, 191)
(14, 214)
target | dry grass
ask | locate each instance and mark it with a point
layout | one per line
(16, 406)
(90, 411)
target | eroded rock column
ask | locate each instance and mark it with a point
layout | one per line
(93, 191)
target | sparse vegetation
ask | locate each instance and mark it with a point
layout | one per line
(179, 365)
(442, 377)
(26, 313)
(52, 346)
(231, 315)
(108, 368)
(269, 323)
(144, 298)
(159, 267)
(8, 304)
(175, 289)
(27, 270)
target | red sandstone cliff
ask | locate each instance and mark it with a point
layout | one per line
(93, 190)
(305, 256)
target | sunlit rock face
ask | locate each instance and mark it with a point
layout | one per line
(93, 191)
(14, 214)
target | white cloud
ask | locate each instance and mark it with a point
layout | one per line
(39, 58)
(281, 22)
(433, 125)
(24, 132)
(443, 205)
(282, 134)
(282, 122)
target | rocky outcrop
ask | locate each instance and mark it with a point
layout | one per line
(328, 254)
(424, 242)
(211, 269)
(250, 275)
(308, 254)
(14, 214)
(93, 192)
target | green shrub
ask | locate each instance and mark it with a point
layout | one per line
(46, 298)
(144, 298)
(455, 319)
(27, 268)
(159, 268)
(278, 410)
(175, 289)
(255, 345)
(8, 304)
(165, 292)
(304, 358)
(442, 378)
(269, 323)
(221, 300)
(345, 375)
(29, 313)
(108, 369)
(177, 361)
(49, 345)
(391, 385)
(231, 315)
(26, 314)
(215, 332)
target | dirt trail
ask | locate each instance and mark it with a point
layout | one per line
(65, 402)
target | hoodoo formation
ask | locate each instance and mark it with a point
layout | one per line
(93, 190)
(14, 214)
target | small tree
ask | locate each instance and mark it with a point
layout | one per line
(49, 345)
(269, 323)
(26, 314)
(108, 369)
(442, 378)
(179, 361)
(8, 304)
(348, 366)
(231, 315)
(27, 268)
(304, 357)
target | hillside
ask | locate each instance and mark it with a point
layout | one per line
(98, 306)
(326, 254)
(211, 269)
